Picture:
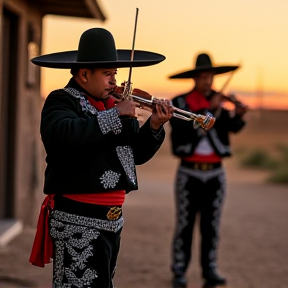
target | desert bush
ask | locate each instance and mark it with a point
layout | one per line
(278, 165)
(258, 159)
(280, 173)
(279, 176)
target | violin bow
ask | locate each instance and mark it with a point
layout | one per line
(128, 84)
(232, 97)
(227, 81)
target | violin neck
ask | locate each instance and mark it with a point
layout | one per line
(231, 99)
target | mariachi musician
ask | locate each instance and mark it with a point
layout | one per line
(200, 181)
(92, 147)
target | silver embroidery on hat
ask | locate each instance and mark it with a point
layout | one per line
(125, 155)
(109, 179)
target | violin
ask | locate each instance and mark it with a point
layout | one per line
(239, 106)
(147, 102)
(232, 99)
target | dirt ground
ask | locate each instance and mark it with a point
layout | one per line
(253, 248)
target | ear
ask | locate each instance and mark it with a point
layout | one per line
(82, 74)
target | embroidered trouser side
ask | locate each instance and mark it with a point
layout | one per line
(203, 192)
(86, 250)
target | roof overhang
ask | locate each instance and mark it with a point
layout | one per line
(72, 8)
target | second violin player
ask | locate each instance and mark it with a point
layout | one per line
(200, 180)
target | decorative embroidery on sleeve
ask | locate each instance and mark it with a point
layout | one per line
(109, 121)
(126, 158)
(86, 106)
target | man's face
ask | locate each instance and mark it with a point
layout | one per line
(204, 81)
(100, 81)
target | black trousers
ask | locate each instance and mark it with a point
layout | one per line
(197, 192)
(86, 244)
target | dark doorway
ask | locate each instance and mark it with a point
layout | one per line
(8, 106)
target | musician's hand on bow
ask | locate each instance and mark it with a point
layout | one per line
(127, 108)
(162, 113)
(215, 101)
(240, 109)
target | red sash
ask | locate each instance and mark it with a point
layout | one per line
(42, 249)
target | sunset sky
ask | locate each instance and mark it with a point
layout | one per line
(252, 33)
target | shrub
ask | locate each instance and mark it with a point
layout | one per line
(280, 173)
(277, 165)
(258, 159)
(279, 176)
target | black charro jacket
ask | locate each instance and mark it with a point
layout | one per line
(90, 151)
(185, 137)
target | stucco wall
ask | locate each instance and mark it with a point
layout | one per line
(29, 160)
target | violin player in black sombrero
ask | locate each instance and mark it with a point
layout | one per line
(92, 146)
(200, 183)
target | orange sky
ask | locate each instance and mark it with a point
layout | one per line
(250, 32)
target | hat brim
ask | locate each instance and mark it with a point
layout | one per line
(68, 60)
(194, 72)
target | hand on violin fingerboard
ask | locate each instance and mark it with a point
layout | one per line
(127, 108)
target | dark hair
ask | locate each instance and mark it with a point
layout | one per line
(74, 71)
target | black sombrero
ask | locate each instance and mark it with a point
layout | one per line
(97, 49)
(203, 63)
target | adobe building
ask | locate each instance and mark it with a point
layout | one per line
(21, 153)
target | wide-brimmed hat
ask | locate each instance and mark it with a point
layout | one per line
(203, 63)
(97, 49)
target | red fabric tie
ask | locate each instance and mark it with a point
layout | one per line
(197, 101)
(110, 103)
(42, 249)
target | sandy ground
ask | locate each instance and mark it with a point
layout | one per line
(253, 248)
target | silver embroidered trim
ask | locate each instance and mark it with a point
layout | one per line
(217, 204)
(184, 148)
(85, 104)
(182, 217)
(109, 179)
(204, 176)
(219, 145)
(182, 220)
(106, 225)
(125, 155)
(109, 121)
(75, 239)
(88, 276)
